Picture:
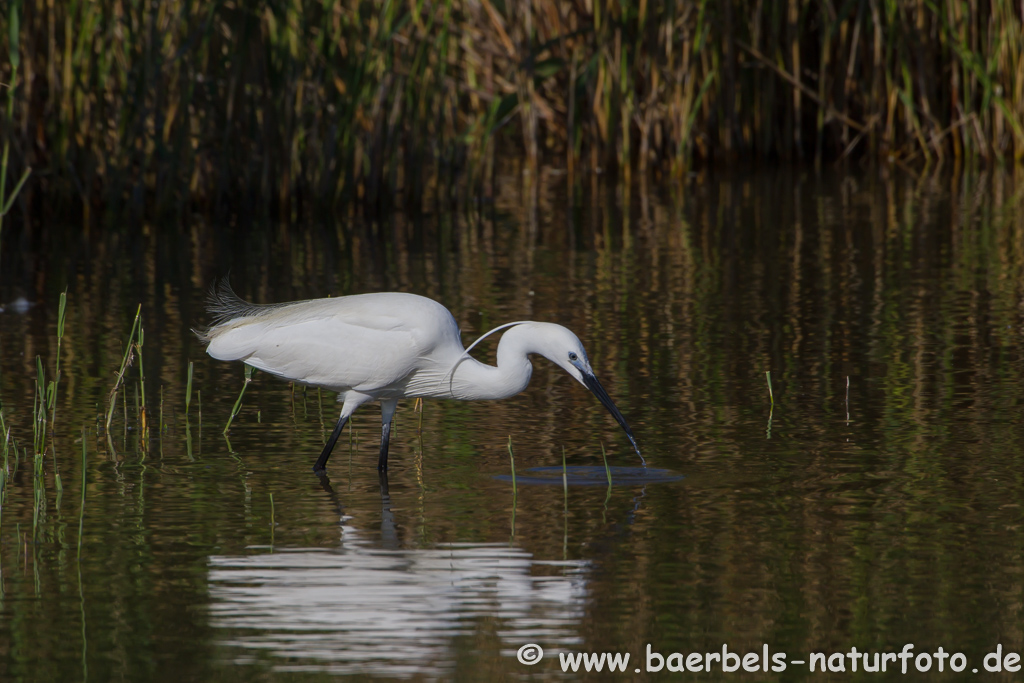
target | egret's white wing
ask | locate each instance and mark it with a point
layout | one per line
(364, 342)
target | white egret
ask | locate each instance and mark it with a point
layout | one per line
(385, 347)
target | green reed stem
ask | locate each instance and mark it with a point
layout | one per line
(142, 374)
(188, 440)
(238, 404)
(38, 498)
(61, 319)
(9, 445)
(81, 508)
(188, 388)
(143, 417)
(40, 404)
(81, 615)
(565, 482)
(607, 470)
(125, 362)
(768, 376)
(52, 388)
(512, 459)
(5, 473)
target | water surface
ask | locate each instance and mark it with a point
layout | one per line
(873, 499)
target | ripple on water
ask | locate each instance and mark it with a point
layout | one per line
(593, 476)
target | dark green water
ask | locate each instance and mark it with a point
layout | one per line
(876, 504)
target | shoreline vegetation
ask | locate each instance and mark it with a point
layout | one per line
(302, 106)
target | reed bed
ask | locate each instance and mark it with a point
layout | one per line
(294, 105)
(12, 19)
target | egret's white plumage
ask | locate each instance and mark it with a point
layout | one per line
(384, 347)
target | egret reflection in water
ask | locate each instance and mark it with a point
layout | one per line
(367, 609)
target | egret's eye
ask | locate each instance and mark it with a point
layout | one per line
(573, 356)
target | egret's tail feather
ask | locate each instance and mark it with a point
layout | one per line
(224, 305)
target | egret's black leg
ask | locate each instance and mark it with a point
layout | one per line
(388, 532)
(387, 413)
(325, 483)
(385, 436)
(321, 462)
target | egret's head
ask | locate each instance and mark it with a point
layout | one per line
(563, 348)
(560, 346)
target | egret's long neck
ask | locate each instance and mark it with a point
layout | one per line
(473, 380)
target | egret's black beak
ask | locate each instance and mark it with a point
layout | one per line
(590, 381)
